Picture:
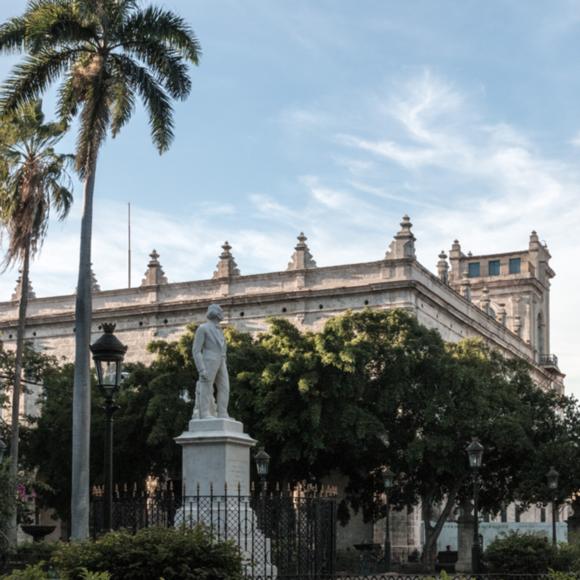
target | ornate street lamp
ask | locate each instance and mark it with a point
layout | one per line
(262, 460)
(2, 450)
(108, 354)
(475, 454)
(552, 477)
(388, 480)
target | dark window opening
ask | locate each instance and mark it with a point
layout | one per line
(474, 270)
(515, 265)
(493, 267)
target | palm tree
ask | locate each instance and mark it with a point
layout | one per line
(106, 54)
(33, 179)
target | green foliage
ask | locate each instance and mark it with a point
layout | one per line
(33, 180)
(35, 552)
(520, 554)
(6, 501)
(554, 575)
(568, 558)
(32, 572)
(373, 388)
(171, 554)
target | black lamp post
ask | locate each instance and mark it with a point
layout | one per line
(108, 354)
(552, 477)
(262, 460)
(475, 455)
(388, 479)
(2, 451)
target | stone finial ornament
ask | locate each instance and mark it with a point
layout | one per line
(517, 324)
(443, 268)
(226, 267)
(534, 241)
(455, 250)
(301, 258)
(484, 301)
(501, 314)
(465, 289)
(17, 294)
(403, 246)
(154, 276)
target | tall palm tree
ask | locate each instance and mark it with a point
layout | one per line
(33, 179)
(105, 53)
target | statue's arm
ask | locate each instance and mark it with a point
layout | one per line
(196, 350)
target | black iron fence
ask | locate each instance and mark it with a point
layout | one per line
(281, 534)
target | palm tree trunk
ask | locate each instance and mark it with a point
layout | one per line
(81, 432)
(15, 427)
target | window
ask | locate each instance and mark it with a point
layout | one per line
(518, 513)
(504, 515)
(493, 267)
(473, 270)
(515, 265)
(543, 514)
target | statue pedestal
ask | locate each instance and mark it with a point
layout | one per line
(216, 480)
(216, 452)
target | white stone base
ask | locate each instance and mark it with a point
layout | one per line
(216, 454)
(216, 480)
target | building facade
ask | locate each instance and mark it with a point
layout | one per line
(502, 298)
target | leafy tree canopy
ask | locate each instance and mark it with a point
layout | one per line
(372, 388)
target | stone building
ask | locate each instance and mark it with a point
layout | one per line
(502, 298)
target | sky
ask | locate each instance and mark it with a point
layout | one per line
(336, 118)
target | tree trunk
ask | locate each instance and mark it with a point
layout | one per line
(81, 430)
(15, 427)
(432, 532)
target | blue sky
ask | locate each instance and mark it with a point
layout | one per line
(336, 118)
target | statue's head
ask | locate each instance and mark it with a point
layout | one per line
(214, 312)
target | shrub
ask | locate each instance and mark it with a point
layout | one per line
(184, 554)
(520, 554)
(35, 552)
(34, 572)
(567, 558)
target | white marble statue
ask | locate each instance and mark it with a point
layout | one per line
(209, 354)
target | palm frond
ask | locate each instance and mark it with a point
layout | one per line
(167, 64)
(69, 98)
(12, 35)
(163, 26)
(153, 96)
(33, 179)
(123, 98)
(56, 24)
(33, 76)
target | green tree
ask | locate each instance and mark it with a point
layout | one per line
(373, 388)
(33, 180)
(37, 366)
(108, 53)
